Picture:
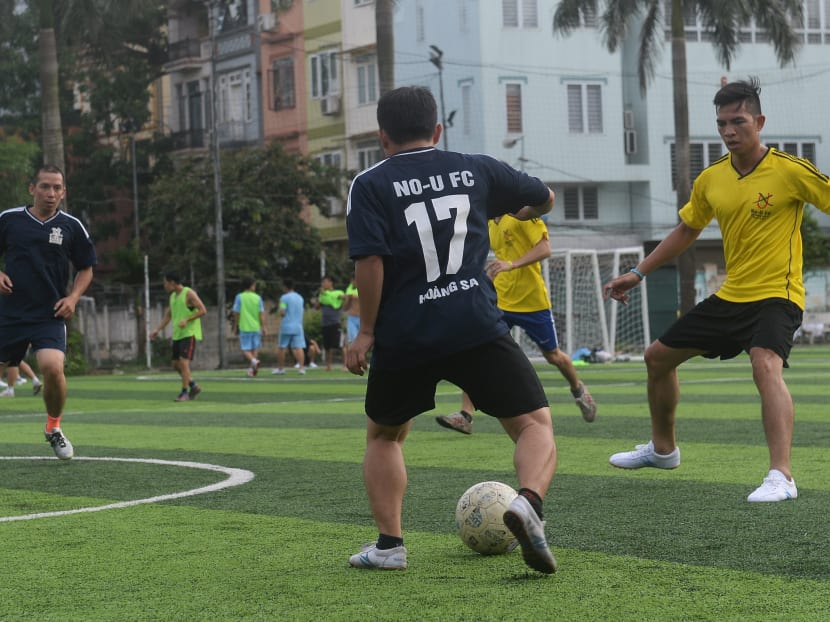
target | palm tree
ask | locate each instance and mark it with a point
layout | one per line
(50, 114)
(384, 35)
(723, 21)
(90, 24)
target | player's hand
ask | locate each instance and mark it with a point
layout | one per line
(496, 266)
(617, 288)
(5, 284)
(356, 354)
(65, 308)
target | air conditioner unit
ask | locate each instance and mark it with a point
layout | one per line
(628, 119)
(330, 105)
(266, 22)
(630, 142)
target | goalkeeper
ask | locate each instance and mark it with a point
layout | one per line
(523, 298)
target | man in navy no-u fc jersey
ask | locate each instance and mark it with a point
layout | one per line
(39, 242)
(417, 225)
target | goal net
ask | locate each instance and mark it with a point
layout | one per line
(583, 319)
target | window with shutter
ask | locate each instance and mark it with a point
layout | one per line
(510, 13)
(590, 203)
(593, 94)
(575, 108)
(530, 14)
(572, 203)
(514, 108)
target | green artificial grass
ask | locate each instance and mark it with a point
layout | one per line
(631, 545)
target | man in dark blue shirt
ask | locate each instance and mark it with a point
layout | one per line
(39, 242)
(417, 225)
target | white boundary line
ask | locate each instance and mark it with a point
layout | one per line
(236, 477)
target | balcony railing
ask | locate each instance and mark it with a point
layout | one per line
(189, 139)
(186, 48)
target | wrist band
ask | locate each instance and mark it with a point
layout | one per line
(638, 273)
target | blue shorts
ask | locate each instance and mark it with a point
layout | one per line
(250, 340)
(292, 340)
(538, 325)
(15, 339)
(352, 327)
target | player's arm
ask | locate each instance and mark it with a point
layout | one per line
(195, 303)
(262, 317)
(65, 307)
(5, 284)
(681, 238)
(369, 280)
(537, 252)
(529, 212)
(165, 320)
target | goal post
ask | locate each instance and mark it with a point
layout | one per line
(574, 278)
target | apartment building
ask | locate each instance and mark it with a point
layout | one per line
(304, 72)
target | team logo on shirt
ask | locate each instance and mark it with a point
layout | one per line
(763, 201)
(762, 205)
(56, 237)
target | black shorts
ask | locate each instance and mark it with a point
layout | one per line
(184, 348)
(497, 376)
(725, 329)
(331, 337)
(16, 338)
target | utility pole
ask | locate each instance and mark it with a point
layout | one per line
(217, 191)
(135, 186)
(435, 58)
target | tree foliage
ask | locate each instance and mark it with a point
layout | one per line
(722, 22)
(264, 192)
(16, 167)
(118, 48)
(816, 246)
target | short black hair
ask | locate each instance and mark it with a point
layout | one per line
(746, 91)
(48, 168)
(173, 276)
(408, 113)
(288, 283)
(247, 282)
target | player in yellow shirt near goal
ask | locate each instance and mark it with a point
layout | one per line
(519, 247)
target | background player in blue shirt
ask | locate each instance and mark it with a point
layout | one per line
(39, 242)
(417, 225)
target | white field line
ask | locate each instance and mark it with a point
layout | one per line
(236, 477)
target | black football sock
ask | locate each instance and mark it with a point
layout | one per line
(388, 542)
(534, 500)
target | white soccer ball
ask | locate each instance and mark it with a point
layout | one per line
(479, 518)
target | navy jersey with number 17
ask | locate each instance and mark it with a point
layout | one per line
(425, 212)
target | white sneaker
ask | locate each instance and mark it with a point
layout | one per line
(37, 385)
(20, 380)
(61, 445)
(7, 392)
(776, 487)
(312, 365)
(3, 384)
(371, 556)
(278, 371)
(296, 366)
(523, 522)
(645, 456)
(301, 371)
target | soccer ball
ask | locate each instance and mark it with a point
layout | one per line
(479, 518)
